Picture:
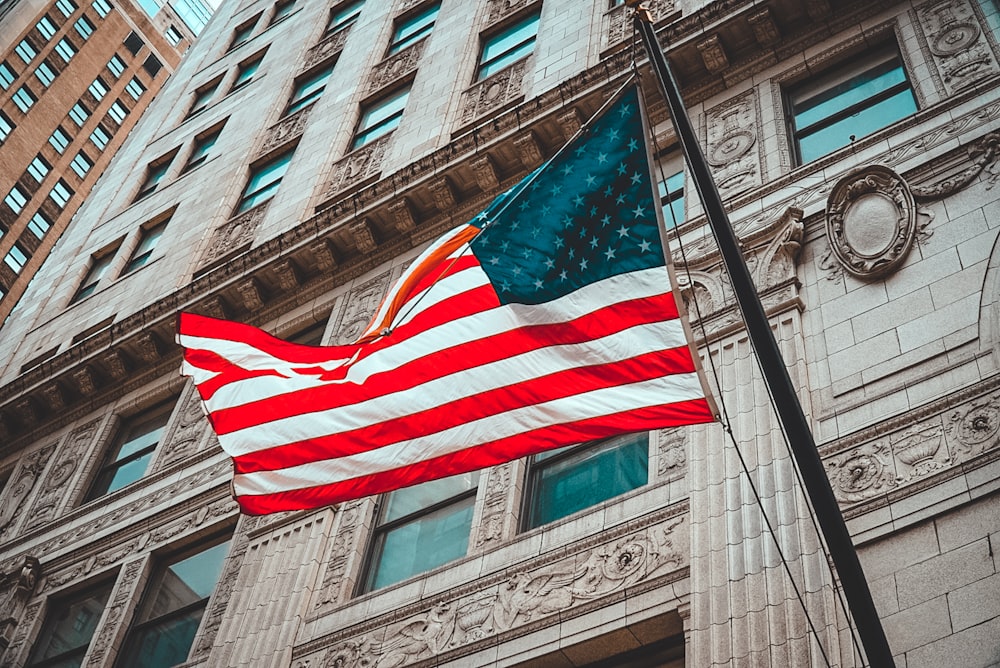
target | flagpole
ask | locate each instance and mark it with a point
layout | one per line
(786, 402)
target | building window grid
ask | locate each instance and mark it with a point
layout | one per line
(6, 127)
(242, 34)
(100, 137)
(135, 89)
(84, 28)
(24, 99)
(507, 46)
(116, 66)
(144, 249)
(413, 28)
(66, 7)
(39, 224)
(7, 75)
(46, 28)
(202, 97)
(16, 199)
(16, 258)
(282, 11)
(61, 193)
(39, 168)
(246, 72)
(173, 35)
(59, 140)
(132, 450)
(69, 628)
(102, 7)
(379, 118)
(45, 73)
(264, 181)
(117, 112)
(308, 89)
(343, 16)
(98, 88)
(202, 149)
(26, 51)
(154, 174)
(81, 164)
(95, 272)
(79, 114)
(65, 48)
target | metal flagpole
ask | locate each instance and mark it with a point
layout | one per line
(787, 406)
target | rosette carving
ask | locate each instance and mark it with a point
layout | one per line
(861, 473)
(974, 428)
(493, 92)
(959, 50)
(358, 166)
(239, 231)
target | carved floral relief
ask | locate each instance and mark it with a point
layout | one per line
(733, 150)
(67, 462)
(958, 46)
(359, 307)
(493, 92)
(235, 233)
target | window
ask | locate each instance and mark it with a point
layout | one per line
(867, 94)
(26, 51)
(344, 16)
(172, 608)
(59, 140)
(308, 89)
(152, 65)
(16, 258)
(413, 29)
(98, 266)
(84, 28)
(202, 149)
(39, 168)
(566, 480)
(98, 89)
(135, 88)
(132, 450)
(116, 65)
(173, 35)
(7, 75)
(16, 199)
(102, 7)
(154, 174)
(46, 28)
(100, 137)
(46, 73)
(133, 43)
(117, 111)
(264, 181)
(246, 72)
(6, 127)
(39, 224)
(66, 7)
(282, 11)
(202, 97)
(508, 46)
(672, 191)
(61, 193)
(24, 98)
(65, 48)
(81, 164)
(79, 113)
(421, 527)
(243, 33)
(145, 248)
(69, 627)
(380, 118)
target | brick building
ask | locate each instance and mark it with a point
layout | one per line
(304, 152)
(75, 78)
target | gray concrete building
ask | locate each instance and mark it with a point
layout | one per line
(303, 152)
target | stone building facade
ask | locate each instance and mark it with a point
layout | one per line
(304, 152)
(75, 77)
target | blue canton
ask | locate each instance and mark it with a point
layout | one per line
(588, 215)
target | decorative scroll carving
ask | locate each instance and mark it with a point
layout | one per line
(765, 30)
(235, 234)
(23, 627)
(85, 380)
(959, 49)
(19, 487)
(861, 473)
(116, 363)
(916, 450)
(984, 153)
(498, 10)
(973, 429)
(287, 274)
(112, 628)
(17, 588)
(149, 347)
(495, 91)
(713, 55)
(396, 67)
(402, 216)
(618, 21)
(359, 307)
(53, 490)
(327, 48)
(871, 221)
(490, 529)
(187, 431)
(322, 250)
(778, 261)
(733, 149)
(363, 233)
(331, 591)
(358, 166)
(542, 594)
(284, 131)
(671, 453)
(443, 193)
(528, 149)
(486, 173)
(252, 293)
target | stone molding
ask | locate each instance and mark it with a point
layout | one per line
(186, 434)
(283, 132)
(111, 630)
(396, 67)
(342, 555)
(498, 10)
(618, 24)
(236, 233)
(496, 91)
(20, 486)
(734, 152)
(952, 35)
(638, 556)
(358, 166)
(52, 494)
(326, 48)
(360, 305)
(18, 586)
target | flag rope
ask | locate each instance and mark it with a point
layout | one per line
(727, 422)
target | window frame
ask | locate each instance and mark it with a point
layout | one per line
(65, 193)
(242, 34)
(49, 30)
(200, 150)
(149, 237)
(251, 65)
(118, 112)
(8, 75)
(60, 140)
(282, 10)
(488, 67)
(35, 228)
(400, 41)
(79, 114)
(299, 99)
(102, 7)
(131, 87)
(84, 28)
(119, 66)
(50, 73)
(65, 48)
(97, 267)
(249, 199)
(81, 157)
(26, 51)
(57, 606)
(343, 16)
(155, 172)
(65, 6)
(16, 199)
(16, 262)
(365, 134)
(203, 94)
(105, 140)
(24, 99)
(7, 127)
(39, 168)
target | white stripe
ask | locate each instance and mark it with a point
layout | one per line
(597, 403)
(622, 345)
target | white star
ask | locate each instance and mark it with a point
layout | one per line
(550, 263)
(637, 178)
(593, 242)
(559, 242)
(639, 211)
(562, 275)
(546, 210)
(606, 220)
(572, 253)
(620, 199)
(644, 246)
(622, 169)
(632, 145)
(622, 231)
(504, 245)
(580, 150)
(539, 284)
(625, 110)
(494, 260)
(524, 205)
(567, 170)
(593, 211)
(578, 200)
(583, 264)
(602, 158)
(610, 253)
(514, 225)
(567, 222)
(505, 286)
(517, 271)
(613, 134)
(535, 231)
(481, 216)
(526, 253)
(556, 189)
(591, 180)
(609, 191)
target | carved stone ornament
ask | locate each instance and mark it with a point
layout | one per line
(18, 586)
(671, 453)
(344, 544)
(65, 464)
(237, 232)
(959, 49)
(861, 473)
(733, 149)
(284, 131)
(489, 532)
(498, 10)
(974, 428)
(359, 165)
(327, 48)
(493, 92)
(917, 450)
(396, 67)
(20, 486)
(618, 21)
(359, 307)
(871, 221)
(186, 431)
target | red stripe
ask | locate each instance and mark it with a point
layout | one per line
(566, 383)
(202, 326)
(444, 362)
(695, 411)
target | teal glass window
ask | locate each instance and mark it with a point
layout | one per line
(246, 72)
(144, 249)
(850, 102)
(564, 481)
(202, 149)
(672, 199)
(420, 528)
(39, 224)
(380, 117)
(243, 33)
(413, 28)
(132, 451)
(154, 174)
(308, 89)
(173, 607)
(508, 46)
(98, 266)
(69, 627)
(264, 181)
(7, 75)
(343, 16)
(202, 97)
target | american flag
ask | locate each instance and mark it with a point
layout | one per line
(547, 320)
